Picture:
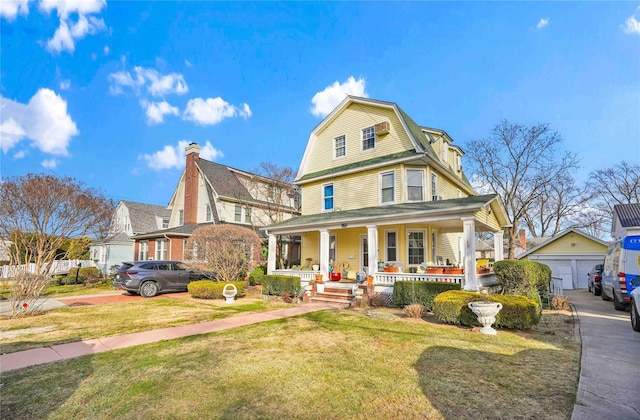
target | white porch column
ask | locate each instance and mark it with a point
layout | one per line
(372, 242)
(498, 246)
(324, 254)
(469, 231)
(271, 258)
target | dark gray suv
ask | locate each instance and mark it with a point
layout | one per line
(148, 278)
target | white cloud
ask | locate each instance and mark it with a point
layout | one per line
(173, 157)
(20, 154)
(65, 36)
(325, 101)
(65, 84)
(632, 25)
(213, 110)
(155, 83)
(188, 63)
(157, 110)
(542, 23)
(106, 50)
(9, 9)
(68, 32)
(49, 163)
(44, 120)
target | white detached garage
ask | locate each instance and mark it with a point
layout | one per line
(571, 254)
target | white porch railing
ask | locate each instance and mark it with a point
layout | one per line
(389, 279)
(58, 267)
(556, 286)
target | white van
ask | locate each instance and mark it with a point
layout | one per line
(621, 266)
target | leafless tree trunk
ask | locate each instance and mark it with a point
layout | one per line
(38, 213)
(519, 163)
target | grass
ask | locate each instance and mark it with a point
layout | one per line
(86, 322)
(324, 365)
(62, 290)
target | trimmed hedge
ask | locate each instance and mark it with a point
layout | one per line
(87, 272)
(209, 289)
(423, 292)
(518, 312)
(522, 277)
(256, 275)
(277, 285)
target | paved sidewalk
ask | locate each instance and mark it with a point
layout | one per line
(609, 385)
(21, 359)
(47, 303)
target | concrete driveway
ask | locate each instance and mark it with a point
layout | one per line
(610, 366)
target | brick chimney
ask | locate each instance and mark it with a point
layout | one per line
(522, 239)
(191, 185)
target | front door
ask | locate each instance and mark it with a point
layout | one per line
(364, 254)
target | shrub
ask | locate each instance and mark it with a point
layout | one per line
(560, 303)
(422, 292)
(277, 285)
(522, 277)
(256, 275)
(209, 289)
(415, 310)
(518, 312)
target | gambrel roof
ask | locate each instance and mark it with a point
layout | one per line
(628, 214)
(143, 216)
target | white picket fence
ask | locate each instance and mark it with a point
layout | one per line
(58, 267)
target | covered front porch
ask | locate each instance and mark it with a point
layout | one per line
(426, 241)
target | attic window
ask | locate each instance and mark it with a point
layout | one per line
(368, 138)
(340, 146)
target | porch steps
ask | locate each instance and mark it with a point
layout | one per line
(334, 295)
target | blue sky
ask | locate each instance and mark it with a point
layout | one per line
(110, 92)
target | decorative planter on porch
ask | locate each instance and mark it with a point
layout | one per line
(318, 278)
(453, 271)
(335, 276)
(391, 269)
(435, 270)
(483, 270)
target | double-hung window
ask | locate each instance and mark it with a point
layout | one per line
(434, 187)
(415, 185)
(368, 138)
(247, 215)
(209, 214)
(161, 249)
(340, 146)
(416, 247)
(327, 196)
(238, 213)
(391, 245)
(180, 217)
(143, 251)
(387, 187)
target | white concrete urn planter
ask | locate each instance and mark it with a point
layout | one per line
(486, 313)
(229, 292)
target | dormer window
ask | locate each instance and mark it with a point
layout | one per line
(340, 146)
(368, 138)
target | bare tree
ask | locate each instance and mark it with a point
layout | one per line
(39, 213)
(559, 205)
(228, 251)
(519, 163)
(617, 185)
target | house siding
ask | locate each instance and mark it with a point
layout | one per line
(350, 124)
(564, 246)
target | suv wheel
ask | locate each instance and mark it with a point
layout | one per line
(597, 291)
(635, 322)
(149, 289)
(616, 304)
(603, 294)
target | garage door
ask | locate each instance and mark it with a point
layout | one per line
(584, 267)
(561, 269)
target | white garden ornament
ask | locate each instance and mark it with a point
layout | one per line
(229, 293)
(486, 313)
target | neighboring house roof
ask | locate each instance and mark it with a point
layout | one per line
(143, 216)
(386, 213)
(119, 237)
(628, 214)
(187, 230)
(547, 241)
(483, 246)
(421, 141)
(223, 180)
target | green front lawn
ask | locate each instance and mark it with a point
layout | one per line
(324, 365)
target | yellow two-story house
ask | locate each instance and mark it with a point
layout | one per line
(379, 190)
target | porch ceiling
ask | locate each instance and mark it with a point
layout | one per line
(446, 214)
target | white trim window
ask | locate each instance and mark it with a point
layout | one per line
(238, 213)
(387, 187)
(339, 146)
(415, 247)
(458, 162)
(143, 251)
(434, 235)
(332, 249)
(209, 213)
(445, 151)
(391, 245)
(368, 138)
(161, 249)
(327, 197)
(247, 215)
(180, 217)
(415, 185)
(434, 187)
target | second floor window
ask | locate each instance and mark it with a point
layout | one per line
(415, 185)
(180, 217)
(238, 213)
(368, 139)
(340, 146)
(247, 216)
(327, 195)
(387, 187)
(434, 187)
(209, 215)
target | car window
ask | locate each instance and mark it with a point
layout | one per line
(125, 267)
(179, 266)
(164, 266)
(148, 266)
